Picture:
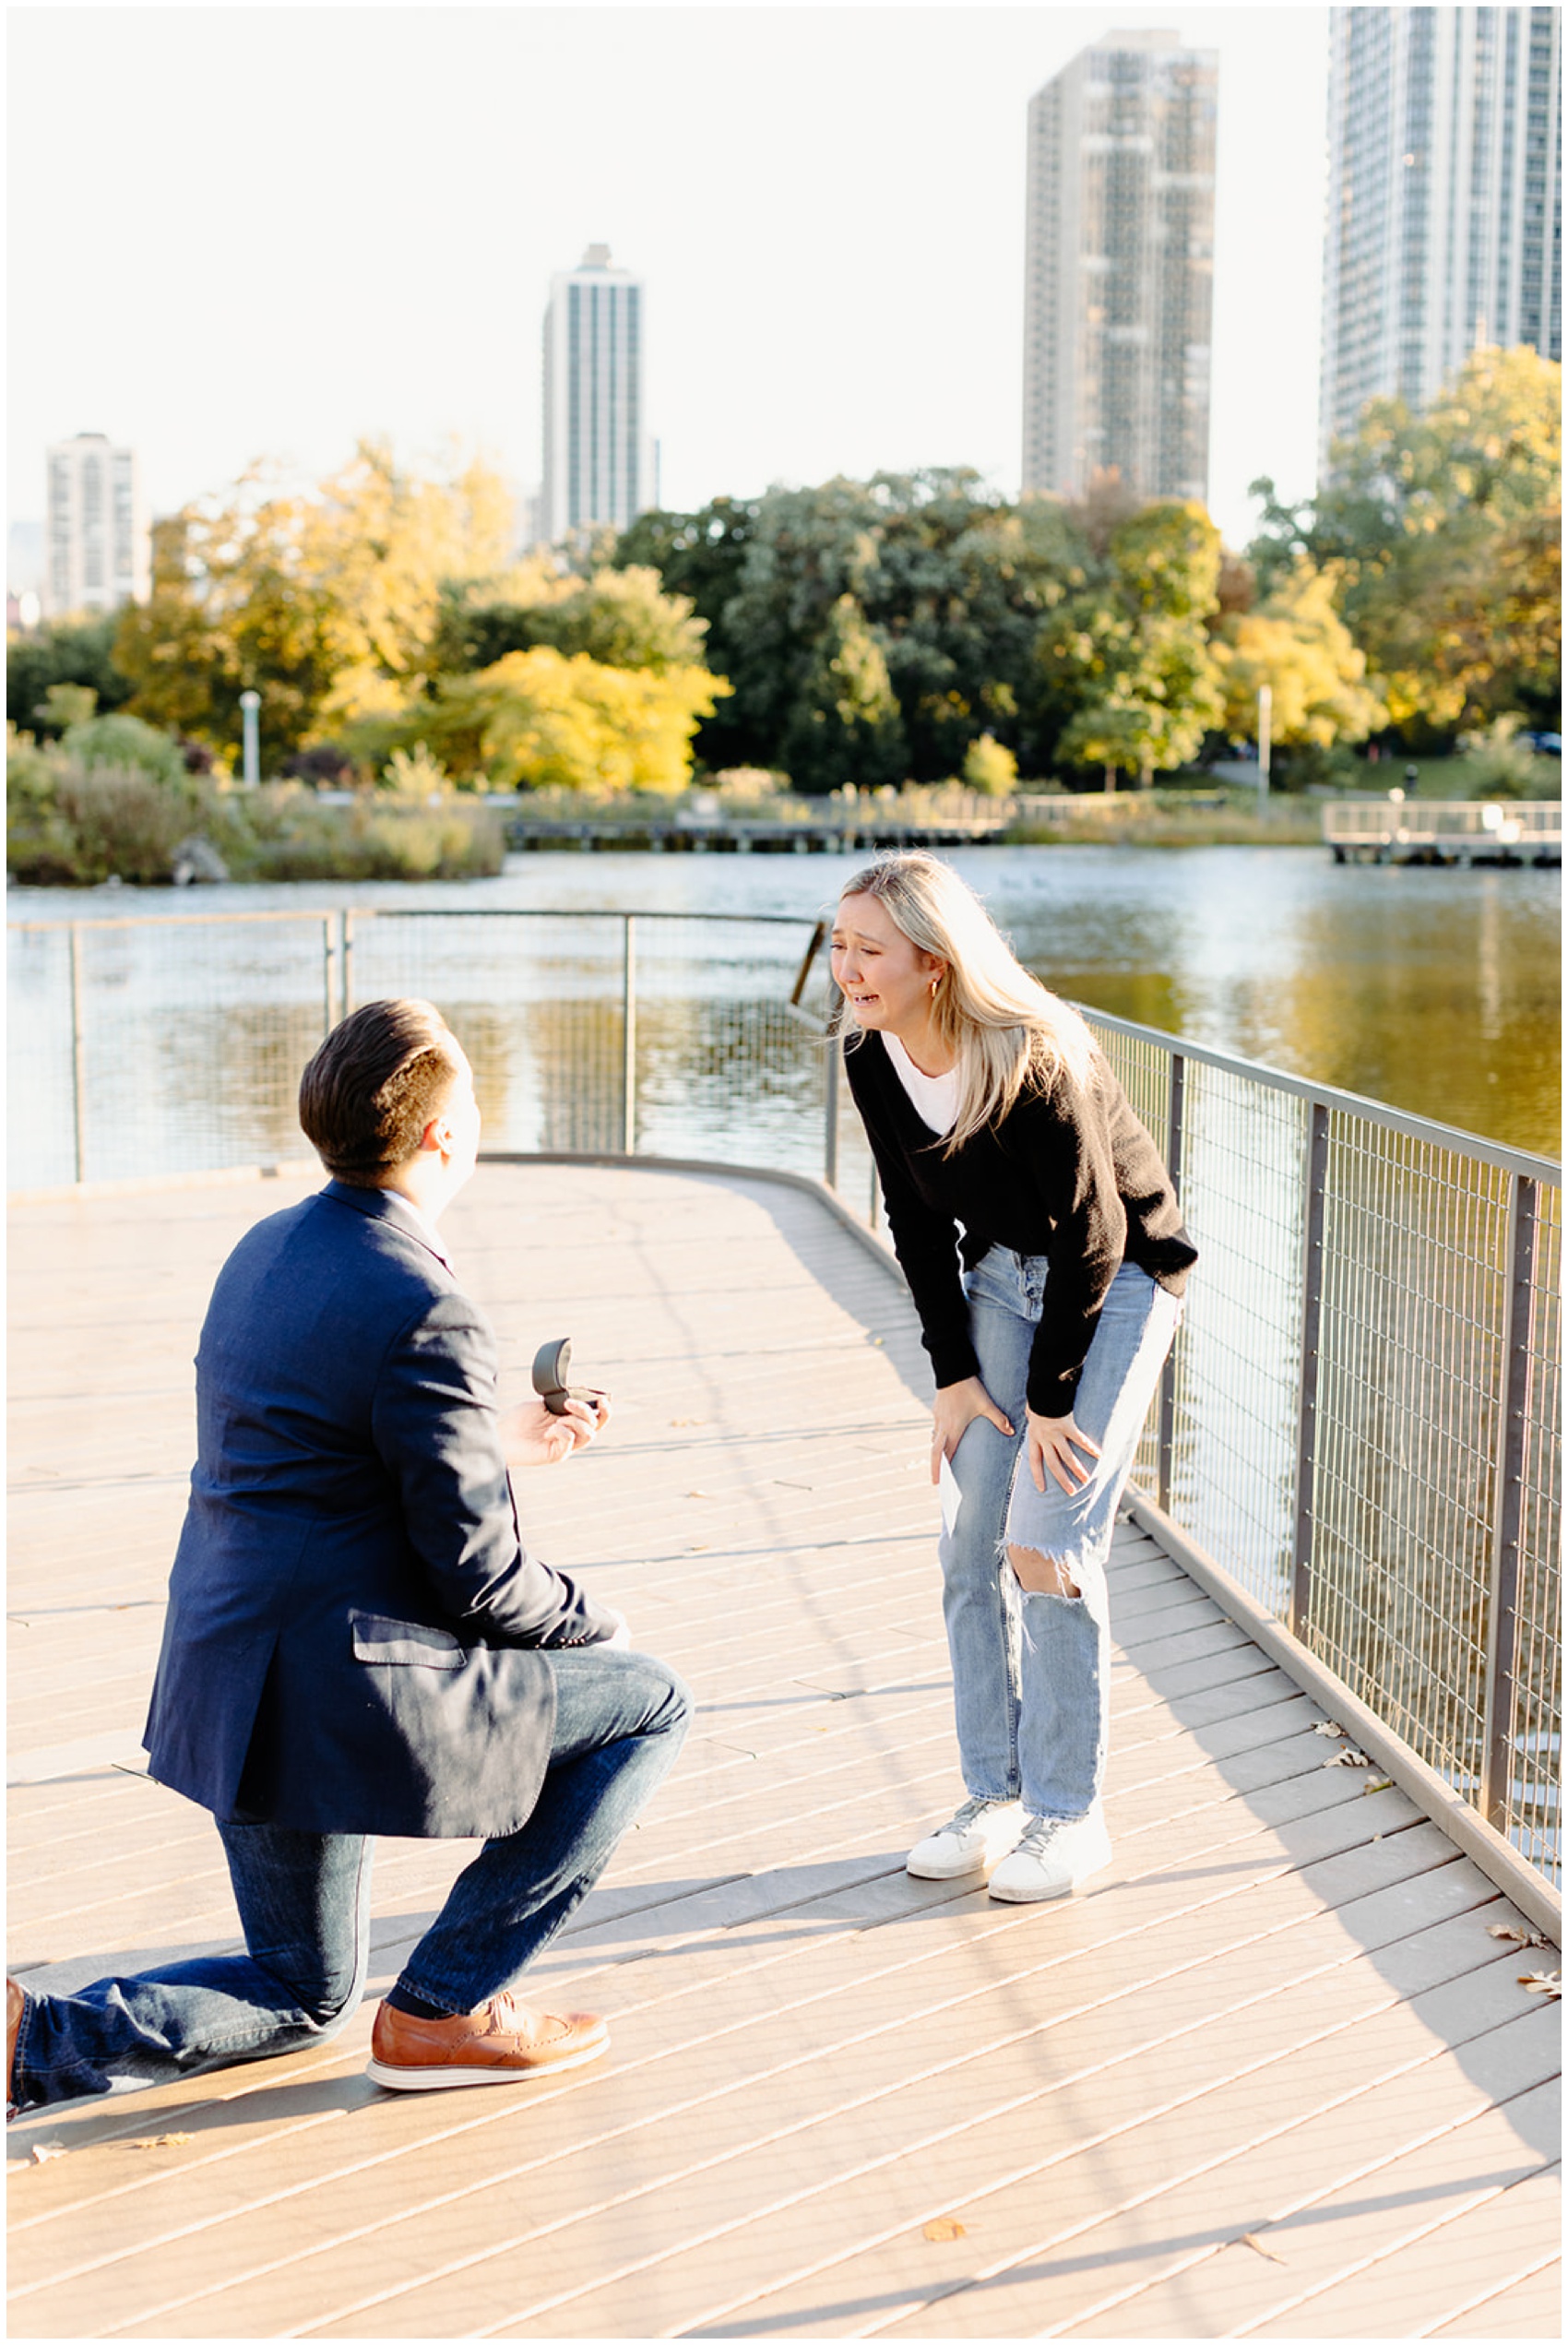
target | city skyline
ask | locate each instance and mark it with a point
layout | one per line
(839, 262)
(1119, 293)
(1444, 220)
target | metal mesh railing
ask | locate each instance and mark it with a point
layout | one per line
(1359, 1418)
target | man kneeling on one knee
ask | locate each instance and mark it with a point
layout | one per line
(357, 1640)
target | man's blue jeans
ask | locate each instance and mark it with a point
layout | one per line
(303, 1900)
(1030, 1670)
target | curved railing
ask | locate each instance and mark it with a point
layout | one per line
(1359, 1426)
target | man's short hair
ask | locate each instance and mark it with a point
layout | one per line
(373, 1084)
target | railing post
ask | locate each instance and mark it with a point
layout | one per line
(799, 987)
(833, 1059)
(78, 1054)
(346, 967)
(328, 957)
(1174, 1135)
(1316, 1189)
(629, 1036)
(1503, 1606)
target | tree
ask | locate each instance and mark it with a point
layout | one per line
(845, 726)
(1124, 663)
(324, 602)
(620, 617)
(577, 723)
(1297, 644)
(69, 651)
(1443, 533)
(990, 768)
(539, 720)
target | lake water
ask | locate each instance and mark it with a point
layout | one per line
(1437, 990)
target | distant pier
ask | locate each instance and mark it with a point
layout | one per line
(1463, 831)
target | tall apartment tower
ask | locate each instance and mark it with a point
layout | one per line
(97, 550)
(1444, 198)
(596, 470)
(1120, 269)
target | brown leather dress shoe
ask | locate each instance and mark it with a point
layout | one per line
(503, 2042)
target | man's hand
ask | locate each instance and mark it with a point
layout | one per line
(530, 1435)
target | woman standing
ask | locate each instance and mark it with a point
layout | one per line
(1045, 1251)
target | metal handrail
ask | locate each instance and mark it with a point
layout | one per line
(1388, 1119)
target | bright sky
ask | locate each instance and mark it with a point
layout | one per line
(247, 231)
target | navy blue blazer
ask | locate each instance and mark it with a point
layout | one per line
(353, 1634)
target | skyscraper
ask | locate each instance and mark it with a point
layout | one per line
(596, 463)
(1120, 268)
(1444, 197)
(95, 547)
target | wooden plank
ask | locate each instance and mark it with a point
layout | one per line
(1531, 2307)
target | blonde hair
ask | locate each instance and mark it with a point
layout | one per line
(1009, 1034)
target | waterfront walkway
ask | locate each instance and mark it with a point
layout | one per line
(1272, 2076)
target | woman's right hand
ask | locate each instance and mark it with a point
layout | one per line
(953, 1412)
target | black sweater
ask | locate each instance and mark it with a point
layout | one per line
(1072, 1175)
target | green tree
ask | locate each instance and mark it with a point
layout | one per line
(845, 726)
(69, 651)
(620, 617)
(1124, 664)
(540, 720)
(700, 556)
(1443, 531)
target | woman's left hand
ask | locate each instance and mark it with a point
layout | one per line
(1054, 1443)
(530, 1435)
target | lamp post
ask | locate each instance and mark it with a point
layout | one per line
(1265, 714)
(250, 705)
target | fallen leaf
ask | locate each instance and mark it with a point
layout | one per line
(1348, 1756)
(43, 2151)
(944, 2227)
(160, 2141)
(1250, 2240)
(1377, 1783)
(699, 1493)
(1547, 1982)
(1516, 1933)
(1327, 1726)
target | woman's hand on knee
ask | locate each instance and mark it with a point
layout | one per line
(1053, 1447)
(953, 1412)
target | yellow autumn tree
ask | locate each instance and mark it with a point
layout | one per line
(1297, 644)
(540, 720)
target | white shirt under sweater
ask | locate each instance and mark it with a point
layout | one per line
(935, 1096)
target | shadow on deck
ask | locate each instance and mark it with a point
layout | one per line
(1273, 2075)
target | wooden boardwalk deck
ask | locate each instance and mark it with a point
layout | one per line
(1271, 2076)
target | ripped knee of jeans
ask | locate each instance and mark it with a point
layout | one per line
(1039, 1575)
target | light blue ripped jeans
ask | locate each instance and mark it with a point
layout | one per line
(1031, 1670)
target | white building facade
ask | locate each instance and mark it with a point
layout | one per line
(1444, 198)
(97, 547)
(598, 472)
(1119, 273)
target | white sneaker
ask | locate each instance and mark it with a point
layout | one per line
(1052, 1857)
(981, 1832)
